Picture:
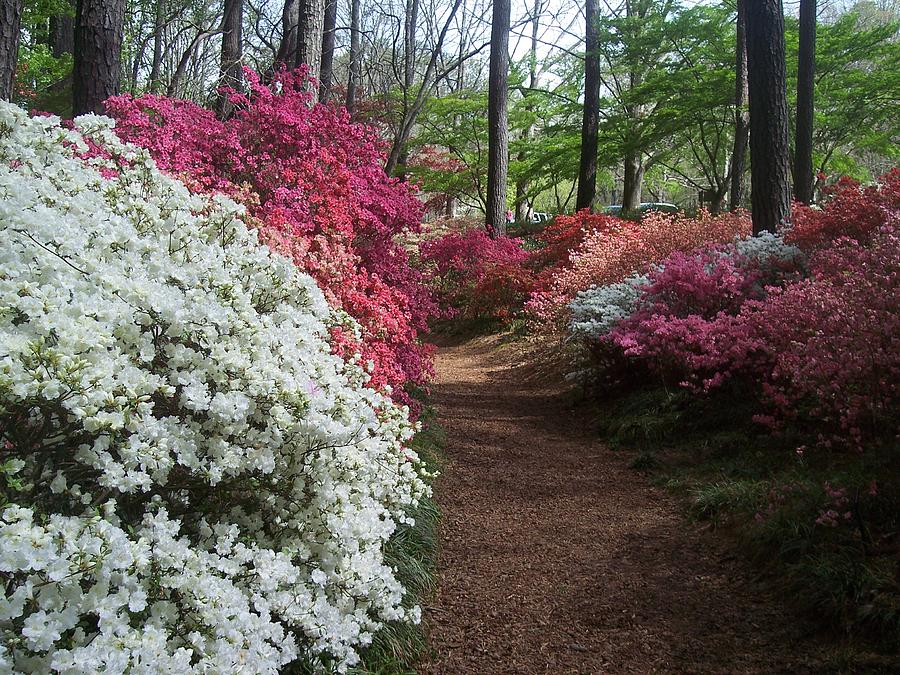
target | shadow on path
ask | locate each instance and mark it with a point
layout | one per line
(556, 558)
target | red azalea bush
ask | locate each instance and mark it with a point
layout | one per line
(314, 182)
(475, 276)
(606, 250)
(850, 211)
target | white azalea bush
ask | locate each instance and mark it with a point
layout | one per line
(598, 309)
(190, 480)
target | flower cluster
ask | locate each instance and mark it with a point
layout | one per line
(606, 250)
(814, 332)
(314, 185)
(475, 276)
(191, 480)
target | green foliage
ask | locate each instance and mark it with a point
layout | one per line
(412, 551)
(857, 94)
(772, 499)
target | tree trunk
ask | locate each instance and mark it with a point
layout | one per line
(231, 75)
(741, 113)
(587, 168)
(98, 54)
(158, 27)
(10, 20)
(498, 133)
(62, 34)
(355, 57)
(770, 173)
(632, 183)
(290, 20)
(312, 28)
(409, 45)
(523, 208)
(803, 138)
(327, 72)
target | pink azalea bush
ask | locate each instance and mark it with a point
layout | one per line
(818, 335)
(313, 184)
(475, 276)
(609, 249)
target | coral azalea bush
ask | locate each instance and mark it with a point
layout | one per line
(314, 185)
(191, 480)
(606, 250)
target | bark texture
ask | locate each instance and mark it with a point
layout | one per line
(498, 132)
(770, 173)
(327, 71)
(290, 20)
(312, 28)
(98, 54)
(62, 34)
(587, 168)
(803, 137)
(741, 112)
(633, 182)
(355, 57)
(158, 28)
(10, 20)
(230, 65)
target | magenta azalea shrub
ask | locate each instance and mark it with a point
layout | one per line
(314, 186)
(475, 276)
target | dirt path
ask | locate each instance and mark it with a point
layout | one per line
(557, 558)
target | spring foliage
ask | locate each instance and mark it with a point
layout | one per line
(191, 480)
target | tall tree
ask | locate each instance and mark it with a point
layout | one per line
(498, 132)
(741, 113)
(355, 70)
(770, 173)
(99, 28)
(10, 20)
(327, 72)
(62, 32)
(158, 28)
(523, 210)
(290, 24)
(312, 28)
(803, 136)
(231, 75)
(587, 168)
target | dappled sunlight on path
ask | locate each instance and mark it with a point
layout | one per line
(557, 558)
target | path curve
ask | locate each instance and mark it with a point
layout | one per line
(557, 558)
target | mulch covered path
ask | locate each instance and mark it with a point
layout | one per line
(558, 558)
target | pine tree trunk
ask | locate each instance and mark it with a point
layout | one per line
(770, 173)
(587, 168)
(98, 54)
(10, 20)
(231, 75)
(158, 26)
(741, 112)
(290, 20)
(498, 132)
(312, 28)
(62, 34)
(803, 138)
(355, 57)
(327, 73)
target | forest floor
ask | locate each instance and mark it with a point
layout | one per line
(557, 558)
